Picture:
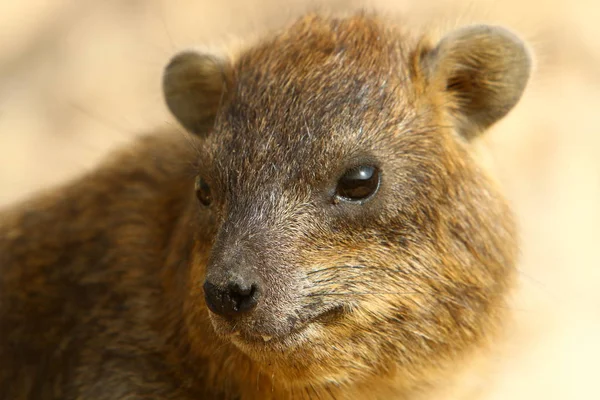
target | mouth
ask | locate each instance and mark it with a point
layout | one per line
(298, 332)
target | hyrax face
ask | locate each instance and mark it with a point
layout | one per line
(355, 234)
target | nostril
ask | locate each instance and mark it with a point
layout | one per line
(244, 297)
(237, 297)
(215, 299)
(241, 289)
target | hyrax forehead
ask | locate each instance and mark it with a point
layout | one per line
(325, 91)
(332, 69)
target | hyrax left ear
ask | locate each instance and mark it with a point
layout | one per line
(193, 86)
(482, 70)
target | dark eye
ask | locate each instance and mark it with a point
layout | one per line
(358, 183)
(203, 192)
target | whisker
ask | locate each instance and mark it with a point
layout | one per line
(539, 284)
(361, 293)
(335, 268)
(188, 137)
(328, 389)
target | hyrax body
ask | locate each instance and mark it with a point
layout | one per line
(325, 234)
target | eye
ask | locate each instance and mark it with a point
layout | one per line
(203, 192)
(358, 184)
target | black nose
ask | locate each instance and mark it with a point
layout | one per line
(234, 298)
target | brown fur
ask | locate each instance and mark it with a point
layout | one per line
(101, 280)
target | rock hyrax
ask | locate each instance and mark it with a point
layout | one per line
(326, 233)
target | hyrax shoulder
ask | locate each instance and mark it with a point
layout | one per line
(325, 234)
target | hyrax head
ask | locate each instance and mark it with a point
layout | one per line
(355, 235)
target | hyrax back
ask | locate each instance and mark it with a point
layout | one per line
(333, 239)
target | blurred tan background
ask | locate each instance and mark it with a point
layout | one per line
(81, 77)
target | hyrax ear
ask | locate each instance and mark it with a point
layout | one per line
(193, 85)
(482, 71)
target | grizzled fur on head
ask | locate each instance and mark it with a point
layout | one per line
(402, 285)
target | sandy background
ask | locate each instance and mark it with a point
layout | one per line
(81, 77)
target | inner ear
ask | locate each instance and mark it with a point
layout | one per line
(193, 87)
(482, 70)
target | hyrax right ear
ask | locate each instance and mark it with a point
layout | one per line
(193, 85)
(482, 71)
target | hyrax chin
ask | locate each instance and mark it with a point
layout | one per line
(333, 239)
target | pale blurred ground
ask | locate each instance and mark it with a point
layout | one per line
(81, 77)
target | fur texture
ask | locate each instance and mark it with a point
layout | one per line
(101, 280)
